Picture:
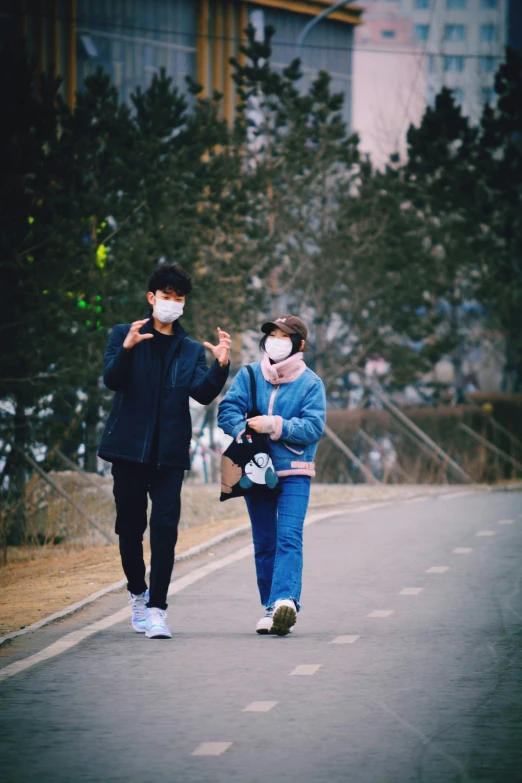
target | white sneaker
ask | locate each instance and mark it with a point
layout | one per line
(284, 616)
(139, 611)
(264, 626)
(156, 627)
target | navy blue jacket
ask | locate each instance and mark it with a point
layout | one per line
(135, 376)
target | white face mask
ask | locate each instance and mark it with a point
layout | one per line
(167, 311)
(278, 349)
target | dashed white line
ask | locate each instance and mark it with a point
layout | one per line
(380, 613)
(437, 569)
(260, 706)
(462, 550)
(410, 591)
(348, 639)
(306, 669)
(485, 533)
(505, 522)
(211, 749)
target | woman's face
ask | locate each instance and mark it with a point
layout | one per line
(284, 336)
(279, 334)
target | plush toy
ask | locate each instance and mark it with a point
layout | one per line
(260, 470)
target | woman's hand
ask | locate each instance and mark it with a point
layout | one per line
(222, 350)
(262, 424)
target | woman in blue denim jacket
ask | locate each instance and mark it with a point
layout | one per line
(292, 400)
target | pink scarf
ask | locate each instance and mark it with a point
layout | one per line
(283, 372)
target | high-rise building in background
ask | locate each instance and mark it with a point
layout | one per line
(407, 50)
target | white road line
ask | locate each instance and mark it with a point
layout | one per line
(345, 639)
(211, 749)
(437, 569)
(380, 613)
(368, 507)
(306, 669)
(505, 522)
(485, 533)
(454, 495)
(410, 591)
(416, 500)
(260, 706)
(462, 550)
(310, 520)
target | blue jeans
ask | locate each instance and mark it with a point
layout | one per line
(277, 530)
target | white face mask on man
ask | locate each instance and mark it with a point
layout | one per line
(278, 349)
(167, 311)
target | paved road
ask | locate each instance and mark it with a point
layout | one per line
(429, 689)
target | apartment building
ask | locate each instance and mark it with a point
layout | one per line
(421, 46)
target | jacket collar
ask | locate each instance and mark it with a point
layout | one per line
(283, 372)
(148, 328)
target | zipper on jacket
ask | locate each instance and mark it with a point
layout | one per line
(272, 400)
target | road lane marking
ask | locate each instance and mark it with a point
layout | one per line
(410, 591)
(485, 533)
(368, 507)
(437, 569)
(260, 706)
(505, 521)
(350, 639)
(211, 749)
(306, 669)
(454, 495)
(380, 613)
(462, 550)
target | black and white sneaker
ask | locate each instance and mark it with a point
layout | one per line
(284, 616)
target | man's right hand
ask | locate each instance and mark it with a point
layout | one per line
(134, 336)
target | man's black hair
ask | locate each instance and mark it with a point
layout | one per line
(169, 278)
(295, 338)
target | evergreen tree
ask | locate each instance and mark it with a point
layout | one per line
(443, 175)
(501, 164)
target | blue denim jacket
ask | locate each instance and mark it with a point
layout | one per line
(300, 411)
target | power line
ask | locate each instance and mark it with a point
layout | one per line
(115, 27)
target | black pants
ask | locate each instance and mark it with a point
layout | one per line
(132, 483)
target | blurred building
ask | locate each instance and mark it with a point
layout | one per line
(407, 50)
(133, 39)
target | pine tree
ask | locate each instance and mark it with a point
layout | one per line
(501, 164)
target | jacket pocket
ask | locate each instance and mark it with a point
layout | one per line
(116, 412)
(299, 452)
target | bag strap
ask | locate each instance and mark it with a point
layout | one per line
(253, 389)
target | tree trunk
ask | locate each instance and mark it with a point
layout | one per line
(16, 470)
(91, 420)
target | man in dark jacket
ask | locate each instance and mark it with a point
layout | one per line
(154, 367)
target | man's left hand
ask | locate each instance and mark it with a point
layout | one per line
(222, 350)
